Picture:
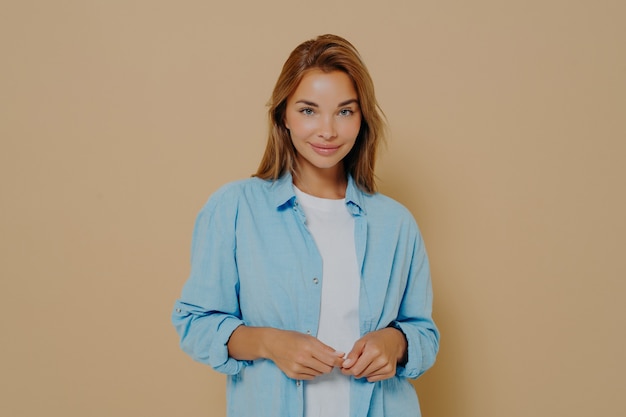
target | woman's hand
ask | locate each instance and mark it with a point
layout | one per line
(376, 355)
(302, 356)
(298, 355)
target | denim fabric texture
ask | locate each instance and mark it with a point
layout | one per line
(254, 263)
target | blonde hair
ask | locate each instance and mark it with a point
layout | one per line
(326, 53)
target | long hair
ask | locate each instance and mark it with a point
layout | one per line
(326, 53)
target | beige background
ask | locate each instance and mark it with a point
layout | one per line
(119, 118)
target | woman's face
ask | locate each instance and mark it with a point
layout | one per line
(323, 117)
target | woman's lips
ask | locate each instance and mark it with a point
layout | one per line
(324, 150)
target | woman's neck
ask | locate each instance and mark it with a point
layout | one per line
(329, 183)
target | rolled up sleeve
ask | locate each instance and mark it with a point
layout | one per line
(415, 316)
(208, 311)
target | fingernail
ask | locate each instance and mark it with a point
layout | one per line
(347, 363)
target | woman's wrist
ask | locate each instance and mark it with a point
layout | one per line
(250, 343)
(403, 345)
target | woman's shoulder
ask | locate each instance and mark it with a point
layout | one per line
(231, 193)
(239, 186)
(386, 204)
(384, 210)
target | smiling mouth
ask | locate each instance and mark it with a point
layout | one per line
(324, 150)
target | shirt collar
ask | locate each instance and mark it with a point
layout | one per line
(284, 194)
(282, 189)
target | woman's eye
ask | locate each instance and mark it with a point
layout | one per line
(307, 111)
(345, 112)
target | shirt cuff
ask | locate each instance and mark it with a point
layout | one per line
(412, 367)
(218, 351)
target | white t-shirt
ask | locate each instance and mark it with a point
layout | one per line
(332, 227)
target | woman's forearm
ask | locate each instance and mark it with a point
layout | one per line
(249, 343)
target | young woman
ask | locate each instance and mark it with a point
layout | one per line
(309, 289)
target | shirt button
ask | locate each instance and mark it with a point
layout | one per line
(297, 383)
(315, 281)
(308, 332)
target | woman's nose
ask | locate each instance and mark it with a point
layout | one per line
(327, 129)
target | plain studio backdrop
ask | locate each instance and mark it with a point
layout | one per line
(119, 118)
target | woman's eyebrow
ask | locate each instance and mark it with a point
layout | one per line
(308, 103)
(343, 103)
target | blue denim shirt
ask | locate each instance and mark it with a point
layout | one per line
(255, 263)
